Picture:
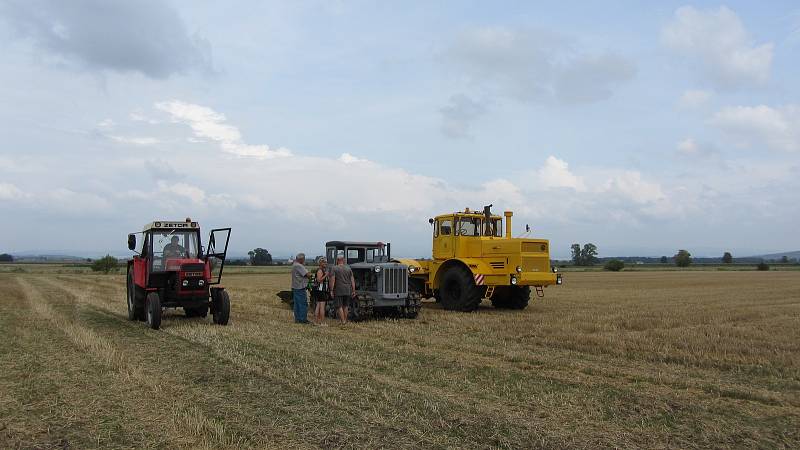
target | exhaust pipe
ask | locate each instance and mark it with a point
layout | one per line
(508, 215)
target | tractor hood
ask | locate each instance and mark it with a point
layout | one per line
(513, 246)
(175, 264)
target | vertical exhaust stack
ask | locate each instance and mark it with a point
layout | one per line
(508, 215)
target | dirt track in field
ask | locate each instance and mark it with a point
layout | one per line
(640, 359)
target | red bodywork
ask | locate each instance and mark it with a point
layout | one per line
(141, 271)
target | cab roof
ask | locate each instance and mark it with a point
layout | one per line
(171, 224)
(478, 214)
(342, 244)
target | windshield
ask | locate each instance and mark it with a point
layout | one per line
(172, 244)
(469, 226)
(355, 255)
(376, 255)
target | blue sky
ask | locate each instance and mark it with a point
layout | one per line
(643, 128)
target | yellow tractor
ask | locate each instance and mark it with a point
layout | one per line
(473, 259)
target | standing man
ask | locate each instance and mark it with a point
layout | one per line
(343, 287)
(299, 283)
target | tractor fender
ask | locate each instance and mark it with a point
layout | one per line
(474, 265)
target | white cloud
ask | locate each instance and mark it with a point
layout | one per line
(690, 148)
(631, 185)
(555, 174)
(687, 147)
(189, 191)
(347, 158)
(536, 66)
(208, 124)
(717, 40)
(72, 202)
(776, 128)
(694, 98)
(106, 124)
(134, 140)
(10, 192)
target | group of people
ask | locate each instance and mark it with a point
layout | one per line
(335, 284)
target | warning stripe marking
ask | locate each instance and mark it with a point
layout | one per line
(479, 279)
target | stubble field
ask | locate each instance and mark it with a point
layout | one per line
(636, 360)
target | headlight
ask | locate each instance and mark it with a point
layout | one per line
(377, 269)
(201, 283)
(185, 283)
(513, 280)
(555, 269)
(412, 269)
(519, 269)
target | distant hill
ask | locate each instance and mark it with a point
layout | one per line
(791, 255)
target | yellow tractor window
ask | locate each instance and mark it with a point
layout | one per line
(446, 227)
(493, 228)
(469, 226)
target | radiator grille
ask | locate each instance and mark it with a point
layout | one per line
(497, 264)
(395, 280)
(534, 264)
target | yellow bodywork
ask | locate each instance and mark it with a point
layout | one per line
(493, 257)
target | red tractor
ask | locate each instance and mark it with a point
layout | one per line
(172, 270)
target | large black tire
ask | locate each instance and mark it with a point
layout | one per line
(153, 310)
(220, 306)
(458, 290)
(511, 297)
(196, 311)
(130, 296)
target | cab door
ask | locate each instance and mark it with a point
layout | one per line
(217, 250)
(443, 241)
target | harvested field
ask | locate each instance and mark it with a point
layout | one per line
(637, 360)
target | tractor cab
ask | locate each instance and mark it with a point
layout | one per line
(171, 263)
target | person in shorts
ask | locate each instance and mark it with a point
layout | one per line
(320, 291)
(343, 287)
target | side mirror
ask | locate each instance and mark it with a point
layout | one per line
(430, 221)
(132, 242)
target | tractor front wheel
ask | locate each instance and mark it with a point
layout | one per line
(220, 306)
(458, 290)
(153, 310)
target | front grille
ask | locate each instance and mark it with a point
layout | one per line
(534, 264)
(193, 267)
(497, 265)
(395, 280)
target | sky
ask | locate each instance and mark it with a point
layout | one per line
(642, 127)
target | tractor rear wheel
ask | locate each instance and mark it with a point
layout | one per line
(220, 306)
(511, 297)
(458, 290)
(153, 310)
(135, 306)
